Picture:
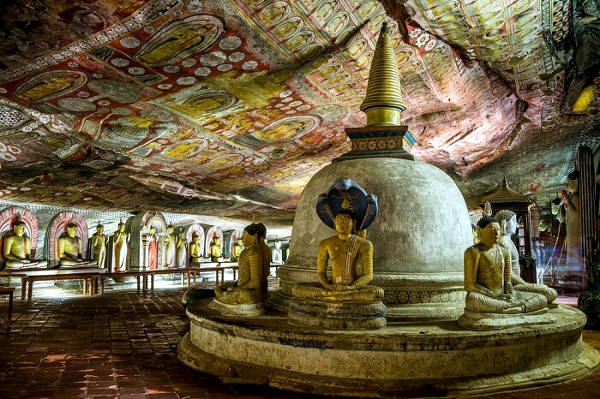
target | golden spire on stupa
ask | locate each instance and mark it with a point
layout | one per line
(383, 102)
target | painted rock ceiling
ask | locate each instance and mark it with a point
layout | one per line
(229, 107)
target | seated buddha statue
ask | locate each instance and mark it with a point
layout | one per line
(254, 262)
(17, 248)
(351, 260)
(508, 227)
(346, 300)
(488, 277)
(277, 253)
(195, 249)
(215, 250)
(69, 248)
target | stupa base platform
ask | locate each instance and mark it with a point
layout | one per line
(337, 315)
(496, 321)
(411, 359)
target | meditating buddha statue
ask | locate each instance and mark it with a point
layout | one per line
(120, 241)
(237, 249)
(508, 227)
(17, 248)
(215, 250)
(181, 245)
(69, 248)
(169, 246)
(253, 264)
(488, 277)
(99, 245)
(346, 300)
(195, 249)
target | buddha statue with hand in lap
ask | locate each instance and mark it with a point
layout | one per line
(69, 248)
(488, 282)
(251, 287)
(344, 300)
(17, 248)
(508, 227)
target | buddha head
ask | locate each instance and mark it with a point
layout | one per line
(170, 229)
(121, 226)
(343, 223)
(488, 229)
(252, 234)
(277, 244)
(100, 229)
(152, 230)
(555, 205)
(19, 228)
(573, 181)
(181, 234)
(71, 230)
(240, 242)
(217, 241)
(508, 221)
(195, 238)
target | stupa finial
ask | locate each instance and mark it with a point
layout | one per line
(383, 102)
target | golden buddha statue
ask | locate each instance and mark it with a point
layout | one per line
(169, 246)
(69, 247)
(99, 245)
(181, 245)
(237, 249)
(508, 227)
(120, 241)
(350, 255)
(195, 249)
(215, 250)
(17, 248)
(488, 276)
(253, 263)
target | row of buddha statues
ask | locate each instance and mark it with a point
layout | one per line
(346, 294)
(66, 244)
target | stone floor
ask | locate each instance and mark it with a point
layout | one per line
(123, 345)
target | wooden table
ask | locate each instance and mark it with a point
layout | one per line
(8, 291)
(89, 276)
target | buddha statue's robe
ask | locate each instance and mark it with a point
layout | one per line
(511, 255)
(152, 253)
(99, 248)
(120, 249)
(352, 270)
(170, 249)
(485, 276)
(181, 252)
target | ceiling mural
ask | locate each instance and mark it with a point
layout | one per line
(229, 107)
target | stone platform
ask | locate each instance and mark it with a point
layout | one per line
(408, 359)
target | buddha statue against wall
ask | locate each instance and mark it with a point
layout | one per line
(181, 245)
(237, 249)
(69, 248)
(215, 250)
(195, 249)
(99, 245)
(17, 248)
(120, 242)
(169, 245)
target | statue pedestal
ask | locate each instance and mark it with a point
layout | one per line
(243, 310)
(337, 315)
(497, 321)
(10, 265)
(403, 360)
(78, 265)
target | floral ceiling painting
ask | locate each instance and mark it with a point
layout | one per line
(228, 107)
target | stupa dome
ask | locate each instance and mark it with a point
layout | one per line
(419, 236)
